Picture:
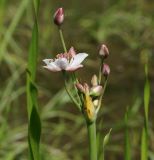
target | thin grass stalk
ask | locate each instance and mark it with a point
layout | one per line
(127, 138)
(34, 123)
(91, 127)
(144, 138)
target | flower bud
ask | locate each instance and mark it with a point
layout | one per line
(96, 91)
(106, 70)
(104, 52)
(80, 87)
(59, 17)
(94, 80)
(86, 87)
(96, 102)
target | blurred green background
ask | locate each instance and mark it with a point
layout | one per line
(126, 27)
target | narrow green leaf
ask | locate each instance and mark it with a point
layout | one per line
(144, 138)
(34, 133)
(36, 5)
(105, 142)
(146, 99)
(33, 52)
(127, 138)
(144, 145)
(106, 138)
(34, 126)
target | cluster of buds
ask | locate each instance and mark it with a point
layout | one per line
(104, 53)
(90, 96)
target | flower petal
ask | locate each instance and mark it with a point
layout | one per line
(51, 68)
(47, 61)
(77, 59)
(74, 68)
(50, 65)
(62, 63)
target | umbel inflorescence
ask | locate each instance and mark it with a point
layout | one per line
(88, 98)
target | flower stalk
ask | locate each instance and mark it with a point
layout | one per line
(91, 127)
(101, 97)
(68, 91)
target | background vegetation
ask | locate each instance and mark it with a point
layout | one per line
(127, 27)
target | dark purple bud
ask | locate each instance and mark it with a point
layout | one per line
(106, 70)
(59, 16)
(104, 52)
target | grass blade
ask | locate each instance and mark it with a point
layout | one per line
(127, 138)
(34, 126)
(105, 142)
(144, 138)
(144, 145)
(146, 96)
(12, 27)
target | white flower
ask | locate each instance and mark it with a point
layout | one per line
(66, 61)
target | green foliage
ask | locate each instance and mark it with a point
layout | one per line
(11, 29)
(63, 131)
(146, 96)
(117, 22)
(34, 126)
(144, 145)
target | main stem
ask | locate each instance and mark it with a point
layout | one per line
(62, 40)
(92, 140)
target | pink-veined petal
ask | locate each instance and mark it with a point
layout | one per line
(53, 69)
(51, 65)
(77, 59)
(73, 68)
(47, 61)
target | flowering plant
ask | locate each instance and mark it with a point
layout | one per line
(88, 98)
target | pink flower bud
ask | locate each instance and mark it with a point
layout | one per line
(59, 16)
(80, 87)
(106, 70)
(104, 52)
(96, 90)
(86, 87)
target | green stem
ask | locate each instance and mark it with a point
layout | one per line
(73, 76)
(92, 140)
(100, 72)
(69, 93)
(100, 99)
(62, 40)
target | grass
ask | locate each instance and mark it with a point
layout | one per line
(34, 122)
(58, 117)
